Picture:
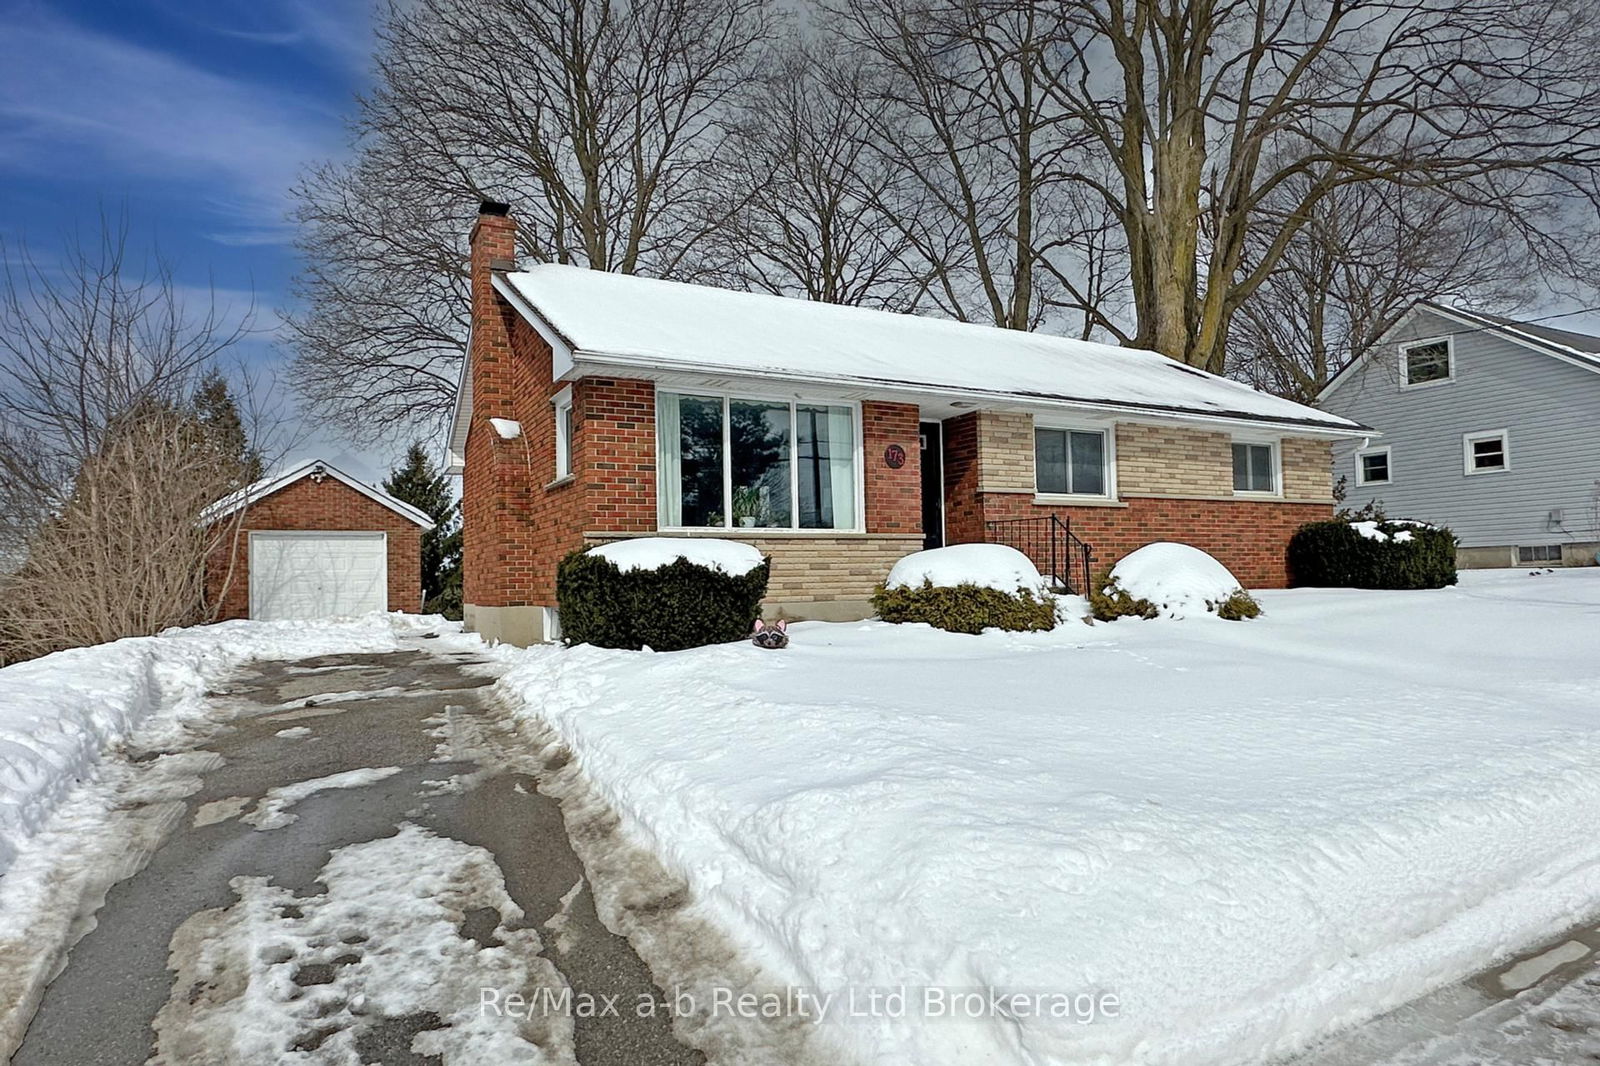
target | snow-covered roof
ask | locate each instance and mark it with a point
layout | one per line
(617, 323)
(1579, 349)
(273, 482)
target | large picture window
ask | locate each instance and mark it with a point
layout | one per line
(731, 463)
(1069, 462)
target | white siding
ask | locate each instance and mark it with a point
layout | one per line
(1551, 408)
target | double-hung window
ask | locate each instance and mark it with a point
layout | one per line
(730, 463)
(1255, 468)
(1070, 462)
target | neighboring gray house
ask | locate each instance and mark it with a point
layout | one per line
(1488, 425)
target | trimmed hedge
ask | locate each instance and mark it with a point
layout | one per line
(1333, 555)
(966, 608)
(680, 605)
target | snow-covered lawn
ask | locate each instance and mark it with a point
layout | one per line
(60, 713)
(1248, 833)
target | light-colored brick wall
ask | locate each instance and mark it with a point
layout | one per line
(1173, 461)
(1005, 452)
(810, 567)
(1307, 469)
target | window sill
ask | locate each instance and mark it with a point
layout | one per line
(1245, 495)
(752, 531)
(1045, 499)
(561, 482)
(1407, 386)
(1489, 470)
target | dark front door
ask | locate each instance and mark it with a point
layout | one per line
(932, 434)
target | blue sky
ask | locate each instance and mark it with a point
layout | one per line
(194, 117)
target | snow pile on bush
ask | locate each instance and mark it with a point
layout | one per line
(967, 588)
(1172, 581)
(1373, 530)
(60, 712)
(988, 566)
(653, 553)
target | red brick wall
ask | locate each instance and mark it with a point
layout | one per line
(894, 497)
(307, 505)
(1249, 537)
(616, 421)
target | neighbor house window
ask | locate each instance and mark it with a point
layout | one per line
(1372, 467)
(1539, 553)
(1255, 468)
(563, 407)
(1070, 462)
(1484, 453)
(731, 463)
(1427, 362)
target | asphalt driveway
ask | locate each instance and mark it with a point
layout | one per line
(356, 866)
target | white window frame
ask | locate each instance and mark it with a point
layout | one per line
(1469, 439)
(794, 400)
(1450, 362)
(1388, 464)
(561, 404)
(1559, 550)
(1275, 447)
(1107, 431)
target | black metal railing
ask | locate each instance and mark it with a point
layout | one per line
(1061, 557)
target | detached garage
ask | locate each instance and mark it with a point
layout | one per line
(313, 542)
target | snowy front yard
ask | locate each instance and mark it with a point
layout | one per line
(1248, 834)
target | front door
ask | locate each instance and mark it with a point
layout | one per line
(932, 434)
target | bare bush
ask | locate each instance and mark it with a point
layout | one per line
(116, 432)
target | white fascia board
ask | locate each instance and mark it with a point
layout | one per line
(561, 354)
(267, 486)
(598, 362)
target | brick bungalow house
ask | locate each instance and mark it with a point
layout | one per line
(598, 406)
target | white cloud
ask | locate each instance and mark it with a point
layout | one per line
(72, 100)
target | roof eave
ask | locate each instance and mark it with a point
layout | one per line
(1303, 427)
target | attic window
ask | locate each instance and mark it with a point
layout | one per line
(1427, 363)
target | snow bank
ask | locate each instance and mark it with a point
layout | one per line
(1181, 581)
(991, 566)
(652, 553)
(1251, 835)
(58, 713)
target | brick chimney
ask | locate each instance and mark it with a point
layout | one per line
(494, 504)
(494, 247)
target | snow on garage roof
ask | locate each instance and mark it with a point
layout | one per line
(623, 321)
(273, 482)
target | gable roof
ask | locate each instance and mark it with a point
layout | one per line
(616, 323)
(1579, 349)
(260, 490)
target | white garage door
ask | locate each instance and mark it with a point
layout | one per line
(317, 575)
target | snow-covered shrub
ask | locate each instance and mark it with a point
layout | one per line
(967, 588)
(665, 593)
(1373, 554)
(1172, 580)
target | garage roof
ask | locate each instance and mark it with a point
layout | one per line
(268, 485)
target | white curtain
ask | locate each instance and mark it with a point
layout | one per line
(841, 466)
(669, 460)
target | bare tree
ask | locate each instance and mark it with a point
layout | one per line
(1370, 253)
(812, 210)
(107, 461)
(955, 98)
(1206, 110)
(602, 122)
